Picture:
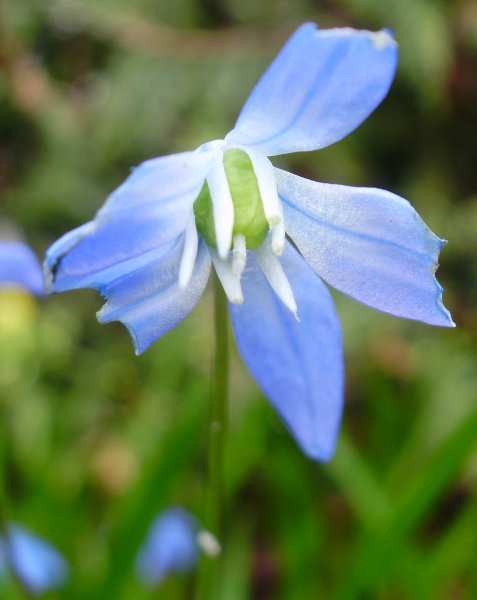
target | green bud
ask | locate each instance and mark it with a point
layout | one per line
(249, 218)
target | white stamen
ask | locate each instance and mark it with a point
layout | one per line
(189, 253)
(273, 271)
(267, 184)
(229, 280)
(239, 255)
(208, 543)
(223, 207)
(278, 238)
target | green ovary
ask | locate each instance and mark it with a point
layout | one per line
(249, 218)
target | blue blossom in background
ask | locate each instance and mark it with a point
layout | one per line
(171, 546)
(35, 561)
(19, 267)
(150, 247)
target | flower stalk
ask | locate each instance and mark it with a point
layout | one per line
(211, 566)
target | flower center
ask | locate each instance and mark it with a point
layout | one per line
(249, 216)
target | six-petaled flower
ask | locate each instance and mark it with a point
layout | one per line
(271, 236)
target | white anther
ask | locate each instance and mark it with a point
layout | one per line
(278, 238)
(273, 271)
(208, 543)
(222, 205)
(230, 282)
(267, 184)
(189, 253)
(239, 254)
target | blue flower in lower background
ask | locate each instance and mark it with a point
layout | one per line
(39, 566)
(171, 546)
(19, 267)
(149, 249)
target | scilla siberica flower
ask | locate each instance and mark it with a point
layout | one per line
(171, 546)
(272, 236)
(35, 561)
(19, 267)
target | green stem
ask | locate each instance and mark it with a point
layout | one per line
(218, 415)
(211, 567)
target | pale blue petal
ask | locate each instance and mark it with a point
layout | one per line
(321, 86)
(149, 301)
(20, 267)
(94, 256)
(171, 546)
(298, 365)
(144, 214)
(368, 243)
(163, 180)
(38, 564)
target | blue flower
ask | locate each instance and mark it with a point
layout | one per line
(35, 561)
(171, 546)
(19, 267)
(149, 249)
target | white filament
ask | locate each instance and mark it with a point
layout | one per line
(189, 253)
(229, 280)
(267, 185)
(222, 206)
(273, 271)
(239, 254)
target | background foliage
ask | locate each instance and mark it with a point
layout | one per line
(94, 441)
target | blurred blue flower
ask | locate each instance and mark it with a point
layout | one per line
(171, 546)
(149, 248)
(19, 267)
(35, 561)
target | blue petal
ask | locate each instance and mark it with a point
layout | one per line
(20, 267)
(368, 243)
(161, 181)
(38, 564)
(143, 215)
(149, 300)
(171, 545)
(320, 87)
(299, 365)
